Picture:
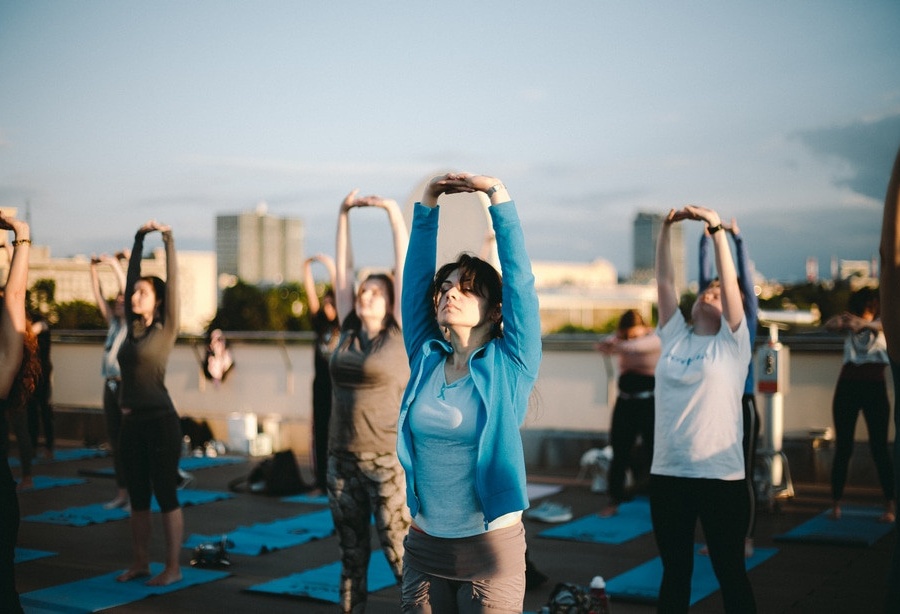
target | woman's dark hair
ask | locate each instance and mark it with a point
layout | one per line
(630, 319)
(389, 324)
(475, 275)
(862, 299)
(159, 289)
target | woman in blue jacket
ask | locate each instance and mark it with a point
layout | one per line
(474, 347)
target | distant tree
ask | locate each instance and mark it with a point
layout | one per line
(251, 308)
(78, 315)
(243, 308)
(43, 292)
(830, 299)
(288, 308)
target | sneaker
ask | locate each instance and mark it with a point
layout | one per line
(550, 512)
(116, 503)
(186, 479)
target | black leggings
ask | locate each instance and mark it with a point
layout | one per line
(113, 412)
(631, 417)
(721, 506)
(850, 397)
(751, 437)
(150, 448)
(9, 532)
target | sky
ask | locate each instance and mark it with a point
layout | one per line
(784, 115)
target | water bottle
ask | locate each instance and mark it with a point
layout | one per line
(599, 598)
(185, 446)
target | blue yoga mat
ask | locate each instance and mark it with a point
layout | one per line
(323, 582)
(65, 454)
(23, 555)
(102, 592)
(633, 520)
(95, 514)
(267, 537)
(43, 482)
(642, 582)
(316, 500)
(858, 526)
(192, 463)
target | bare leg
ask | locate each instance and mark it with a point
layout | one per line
(173, 527)
(140, 537)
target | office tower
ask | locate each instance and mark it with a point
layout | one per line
(260, 248)
(646, 231)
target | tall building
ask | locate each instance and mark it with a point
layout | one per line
(259, 248)
(646, 231)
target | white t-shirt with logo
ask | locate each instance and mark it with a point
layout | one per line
(699, 383)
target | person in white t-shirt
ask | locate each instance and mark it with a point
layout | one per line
(698, 460)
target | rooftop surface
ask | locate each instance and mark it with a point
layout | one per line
(798, 578)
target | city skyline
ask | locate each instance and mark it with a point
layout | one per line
(784, 116)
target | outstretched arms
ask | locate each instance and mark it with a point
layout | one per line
(344, 273)
(732, 308)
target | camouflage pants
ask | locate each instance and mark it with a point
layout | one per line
(360, 485)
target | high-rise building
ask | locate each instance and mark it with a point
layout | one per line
(259, 248)
(646, 231)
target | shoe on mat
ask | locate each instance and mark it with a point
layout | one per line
(550, 512)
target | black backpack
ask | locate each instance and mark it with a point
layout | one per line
(277, 476)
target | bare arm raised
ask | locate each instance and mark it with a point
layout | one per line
(890, 264)
(309, 282)
(732, 307)
(99, 299)
(344, 262)
(12, 317)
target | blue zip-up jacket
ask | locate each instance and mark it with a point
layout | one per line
(504, 370)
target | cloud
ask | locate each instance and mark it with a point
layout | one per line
(295, 167)
(866, 149)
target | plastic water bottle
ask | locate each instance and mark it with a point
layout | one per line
(185, 446)
(599, 598)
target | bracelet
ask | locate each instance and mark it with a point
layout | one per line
(494, 188)
(19, 242)
(714, 229)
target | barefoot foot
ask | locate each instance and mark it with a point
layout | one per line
(610, 510)
(166, 577)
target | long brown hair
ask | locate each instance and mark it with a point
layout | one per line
(29, 371)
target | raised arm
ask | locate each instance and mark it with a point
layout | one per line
(99, 298)
(520, 308)
(343, 279)
(309, 282)
(173, 307)
(745, 278)
(707, 264)
(667, 297)
(890, 264)
(732, 307)
(400, 244)
(12, 318)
